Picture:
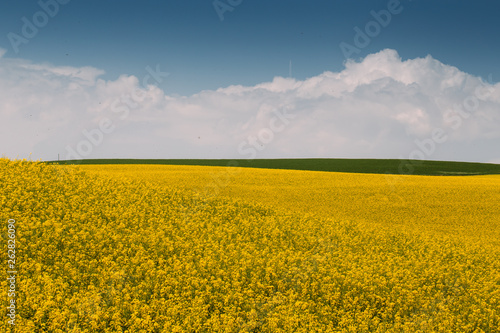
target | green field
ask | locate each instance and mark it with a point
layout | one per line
(376, 166)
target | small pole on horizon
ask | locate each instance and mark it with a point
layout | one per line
(57, 157)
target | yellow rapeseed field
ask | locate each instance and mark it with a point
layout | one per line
(465, 206)
(203, 249)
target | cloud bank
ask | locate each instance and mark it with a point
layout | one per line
(379, 107)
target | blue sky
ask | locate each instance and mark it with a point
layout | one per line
(99, 48)
(254, 42)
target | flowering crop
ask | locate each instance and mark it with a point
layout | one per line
(170, 249)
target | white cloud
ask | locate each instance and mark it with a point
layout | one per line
(378, 107)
